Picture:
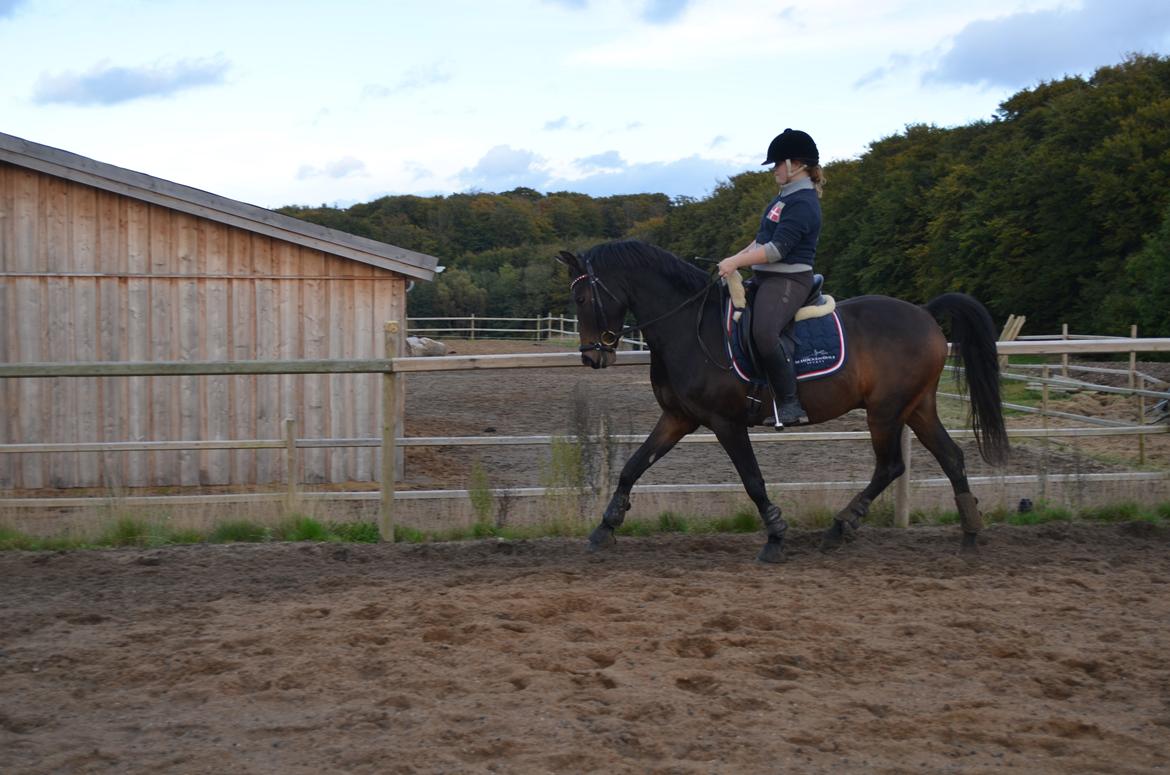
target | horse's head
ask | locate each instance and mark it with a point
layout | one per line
(599, 312)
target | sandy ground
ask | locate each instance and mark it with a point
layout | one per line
(672, 654)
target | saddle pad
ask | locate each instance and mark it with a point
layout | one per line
(820, 347)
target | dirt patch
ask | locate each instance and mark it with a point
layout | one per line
(672, 654)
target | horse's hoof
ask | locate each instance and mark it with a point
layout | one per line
(601, 538)
(773, 552)
(843, 531)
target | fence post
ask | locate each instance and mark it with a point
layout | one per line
(290, 464)
(902, 486)
(472, 335)
(1064, 356)
(1132, 360)
(1141, 420)
(389, 435)
(1045, 373)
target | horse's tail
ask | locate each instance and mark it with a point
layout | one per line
(973, 335)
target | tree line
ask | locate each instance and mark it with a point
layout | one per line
(1057, 207)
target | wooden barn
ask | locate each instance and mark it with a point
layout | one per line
(100, 263)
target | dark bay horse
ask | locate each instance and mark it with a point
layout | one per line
(896, 353)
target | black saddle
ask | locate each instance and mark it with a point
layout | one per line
(814, 299)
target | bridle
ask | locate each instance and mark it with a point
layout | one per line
(609, 339)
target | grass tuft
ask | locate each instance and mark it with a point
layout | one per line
(743, 521)
(126, 531)
(301, 528)
(355, 532)
(1126, 511)
(239, 531)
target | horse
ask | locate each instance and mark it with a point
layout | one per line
(895, 354)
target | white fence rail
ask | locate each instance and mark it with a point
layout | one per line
(393, 365)
(472, 326)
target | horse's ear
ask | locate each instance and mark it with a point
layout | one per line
(570, 260)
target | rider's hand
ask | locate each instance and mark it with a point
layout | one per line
(727, 266)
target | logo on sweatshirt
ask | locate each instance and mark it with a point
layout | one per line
(774, 213)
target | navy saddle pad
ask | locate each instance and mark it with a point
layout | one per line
(820, 347)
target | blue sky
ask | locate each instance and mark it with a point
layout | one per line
(342, 102)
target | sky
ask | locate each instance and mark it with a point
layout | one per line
(342, 102)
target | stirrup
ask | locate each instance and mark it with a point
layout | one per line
(800, 418)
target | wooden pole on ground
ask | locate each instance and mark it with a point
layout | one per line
(1011, 329)
(389, 435)
(902, 486)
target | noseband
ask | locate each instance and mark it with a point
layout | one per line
(610, 339)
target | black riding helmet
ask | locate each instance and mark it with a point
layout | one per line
(793, 144)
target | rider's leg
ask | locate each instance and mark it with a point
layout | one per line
(777, 300)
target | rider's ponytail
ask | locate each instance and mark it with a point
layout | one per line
(816, 173)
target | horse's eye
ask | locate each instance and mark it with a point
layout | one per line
(580, 299)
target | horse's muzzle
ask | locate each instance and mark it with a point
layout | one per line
(597, 355)
(597, 359)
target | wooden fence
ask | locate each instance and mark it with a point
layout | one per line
(392, 365)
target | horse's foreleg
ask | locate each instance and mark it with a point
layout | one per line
(735, 441)
(667, 431)
(930, 431)
(887, 447)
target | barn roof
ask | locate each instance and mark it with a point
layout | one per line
(70, 166)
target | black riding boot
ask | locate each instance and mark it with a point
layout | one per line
(782, 377)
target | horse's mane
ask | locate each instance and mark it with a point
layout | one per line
(635, 254)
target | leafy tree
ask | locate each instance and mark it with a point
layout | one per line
(456, 294)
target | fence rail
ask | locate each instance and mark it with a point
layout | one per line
(539, 328)
(392, 365)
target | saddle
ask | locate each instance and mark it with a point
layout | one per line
(814, 338)
(815, 305)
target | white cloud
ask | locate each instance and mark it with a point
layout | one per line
(610, 160)
(341, 168)
(1023, 48)
(413, 79)
(563, 122)
(504, 167)
(107, 84)
(692, 176)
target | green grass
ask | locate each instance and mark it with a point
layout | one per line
(129, 532)
(239, 531)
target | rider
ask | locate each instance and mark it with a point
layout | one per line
(781, 258)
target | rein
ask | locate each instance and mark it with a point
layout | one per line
(609, 339)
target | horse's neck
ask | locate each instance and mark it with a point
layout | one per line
(649, 302)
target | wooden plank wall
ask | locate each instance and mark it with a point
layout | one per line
(87, 275)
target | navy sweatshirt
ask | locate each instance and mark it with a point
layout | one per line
(790, 227)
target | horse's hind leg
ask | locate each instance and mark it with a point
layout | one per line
(930, 431)
(886, 435)
(667, 431)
